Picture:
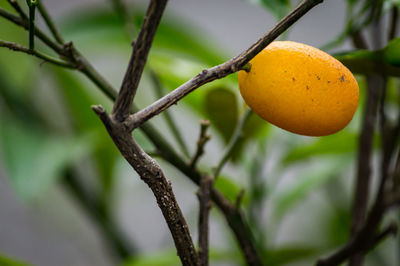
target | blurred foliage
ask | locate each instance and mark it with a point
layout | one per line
(47, 125)
(6, 261)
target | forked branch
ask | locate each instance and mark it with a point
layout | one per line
(150, 172)
(141, 48)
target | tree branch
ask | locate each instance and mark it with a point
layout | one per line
(222, 70)
(364, 154)
(204, 196)
(123, 104)
(357, 245)
(19, 48)
(201, 142)
(234, 217)
(150, 172)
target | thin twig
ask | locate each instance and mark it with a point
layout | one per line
(222, 70)
(50, 23)
(201, 142)
(204, 196)
(123, 104)
(47, 58)
(168, 117)
(40, 34)
(17, 8)
(150, 172)
(236, 137)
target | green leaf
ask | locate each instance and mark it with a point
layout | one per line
(288, 254)
(340, 143)
(35, 160)
(391, 53)
(221, 107)
(6, 261)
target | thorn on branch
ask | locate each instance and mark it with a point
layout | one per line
(201, 142)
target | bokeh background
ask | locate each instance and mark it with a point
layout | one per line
(48, 133)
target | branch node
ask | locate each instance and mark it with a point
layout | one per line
(98, 109)
(201, 142)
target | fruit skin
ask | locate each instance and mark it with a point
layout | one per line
(300, 88)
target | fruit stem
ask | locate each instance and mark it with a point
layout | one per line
(247, 67)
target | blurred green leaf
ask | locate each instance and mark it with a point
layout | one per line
(254, 127)
(173, 34)
(221, 107)
(288, 254)
(278, 7)
(338, 226)
(228, 187)
(35, 160)
(340, 143)
(368, 62)
(78, 100)
(166, 258)
(308, 181)
(385, 61)
(391, 52)
(6, 261)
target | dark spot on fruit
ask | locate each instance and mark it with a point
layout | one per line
(307, 87)
(293, 79)
(312, 100)
(318, 77)
(328, 81)
(342, 78)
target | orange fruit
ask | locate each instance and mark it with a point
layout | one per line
(300, 88)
